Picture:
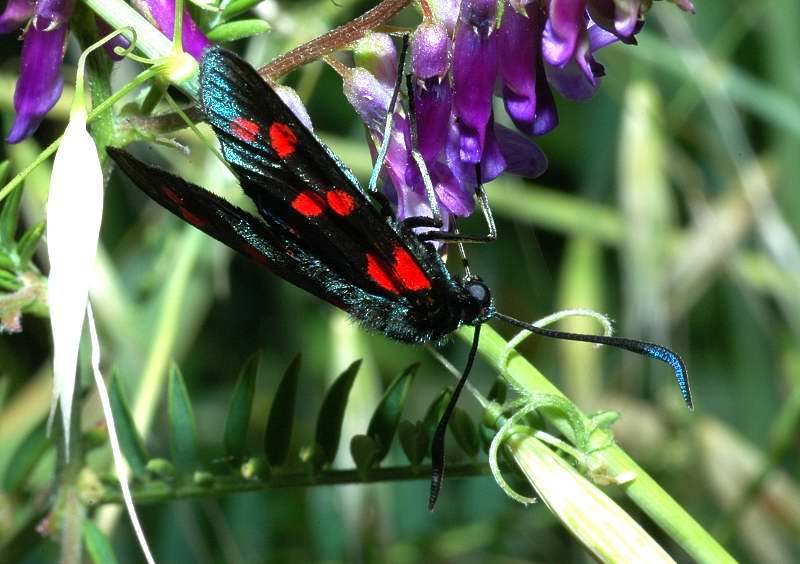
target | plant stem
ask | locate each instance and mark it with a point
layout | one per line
(335, 39)
(160, 491)
(69, 510)
(643, 491)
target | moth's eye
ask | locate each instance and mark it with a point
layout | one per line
(479, 292)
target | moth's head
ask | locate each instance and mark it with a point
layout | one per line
(478, 306)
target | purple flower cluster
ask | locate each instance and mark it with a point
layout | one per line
(44, 42)
(461, 59)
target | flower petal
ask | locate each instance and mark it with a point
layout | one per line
(17, 12)
(430, 51)
(523, 157)
(292, 99)
(162, 14)
(562, 31)
(474, 73)
(456, 198)
(54, 13)
(376, 53)
(74, 212)
(518, 47)
(368, 96)
(433, 102)
(40, 82)
(493, 163)
(546, 118)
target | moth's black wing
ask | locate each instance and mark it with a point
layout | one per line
(298, 183)
(286, 253)
(229, 224)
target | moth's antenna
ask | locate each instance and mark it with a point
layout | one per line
(387, 129)
(437, 445)
(640, 347)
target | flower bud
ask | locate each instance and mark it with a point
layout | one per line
(430, 51)
(376, 53)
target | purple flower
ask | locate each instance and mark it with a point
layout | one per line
(54, 12)
(15, 15)
(161, 14)
(40, 82)
(459, 64)
(474, 72)
(563, 29)
(377, 53)
(433, 96)
(578, 79)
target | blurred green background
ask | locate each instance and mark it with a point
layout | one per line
(671, 203)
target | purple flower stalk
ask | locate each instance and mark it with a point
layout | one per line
(40, 82)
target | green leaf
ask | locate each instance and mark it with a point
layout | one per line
(365, 453)
(28, 242)
(9, 213)
(331, 414)
(182, 428)
(281, 417)
(3, 171)
(25, 457)
(386, 418)
(414, 441)
(6, 262)
(240, 29)
(236, 7)
(240, 409)
(97, 544)
(465, 432)
(433, 415)
(129, 439)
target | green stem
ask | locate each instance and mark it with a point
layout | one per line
(643, 491)
(69, 509)
(156, 492)
(151, 42)
(97, 111)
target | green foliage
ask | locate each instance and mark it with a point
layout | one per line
(240, 29)
(384, 422)
(240, 408)
(25, 457)
(465, 432)
(237, 7)
(182, 427)
(331, 414)
(278, 435)
(97, 544)
(129, 439)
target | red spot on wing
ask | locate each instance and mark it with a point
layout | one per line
(195, 220)
(282, 139)
(308, 204)
(170, 194)
(379, 275)
(409, 272)
(245, 129)
(341, 202)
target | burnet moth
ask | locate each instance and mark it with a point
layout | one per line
(322, 232)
